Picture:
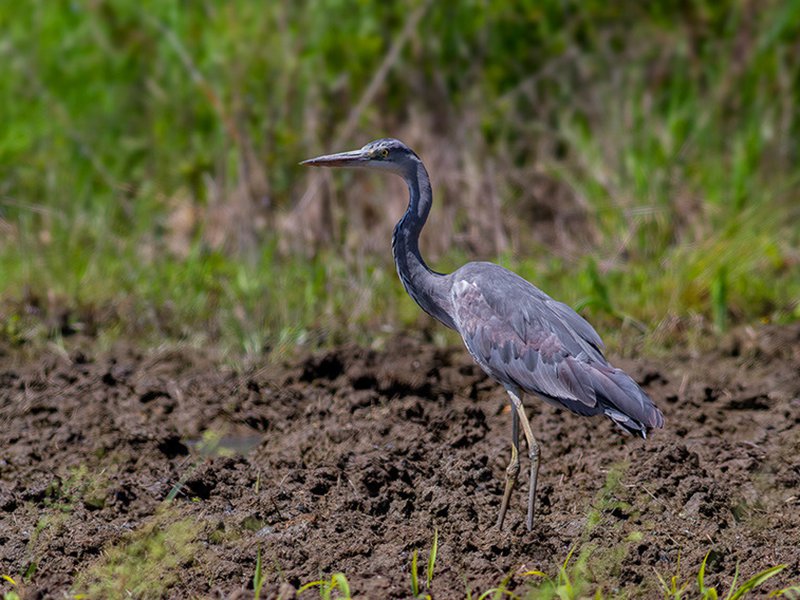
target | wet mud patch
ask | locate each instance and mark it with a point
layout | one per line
(348, 460)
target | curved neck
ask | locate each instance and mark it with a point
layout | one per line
(429, 289)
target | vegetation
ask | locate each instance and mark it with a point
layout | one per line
(154, 560)
(584, 572)
(675, 591)
(147, 564)
(416, 590)
(338, 582)
(637, 159)
(258, 577)
(573, 581)
(641, 156)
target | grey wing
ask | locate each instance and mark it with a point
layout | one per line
(524, 338)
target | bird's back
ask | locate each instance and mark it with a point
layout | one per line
(523, 338)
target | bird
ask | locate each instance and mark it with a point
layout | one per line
(520, 336)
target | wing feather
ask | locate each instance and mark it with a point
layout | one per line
(523, 338)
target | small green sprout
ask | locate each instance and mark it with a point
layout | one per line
(415, 588)
(719, 299)
(563, 585)
(735, 593)
(337, 581)
(673, 591)
(496, 593)
(258, 577)
(12, 595)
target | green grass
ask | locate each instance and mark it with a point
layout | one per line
(258, 577)
(77, 487)
(167, 547)
(146, 564)
(10, 594)
(416, 589)
(588, 571)
(337, 583)
(582, 574)
(150, 151)
(674, 590)
(606, 499)
(572, 582)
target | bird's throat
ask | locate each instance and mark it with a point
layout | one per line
(430, 290)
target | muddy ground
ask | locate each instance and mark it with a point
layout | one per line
(164, 472)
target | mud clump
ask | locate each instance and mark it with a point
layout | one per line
(348, 460)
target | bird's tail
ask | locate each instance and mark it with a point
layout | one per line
(625, 403)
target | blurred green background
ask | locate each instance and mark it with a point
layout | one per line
(638, 160)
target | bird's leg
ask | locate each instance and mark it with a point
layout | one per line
(513, 467)
(533, 454)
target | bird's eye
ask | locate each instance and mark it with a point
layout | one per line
(385, 153)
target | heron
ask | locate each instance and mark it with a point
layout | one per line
(520, 336)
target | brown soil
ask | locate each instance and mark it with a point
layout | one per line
(348, 460)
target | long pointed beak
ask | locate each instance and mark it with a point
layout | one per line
(353, 158)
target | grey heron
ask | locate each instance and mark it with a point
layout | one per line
(518, 335)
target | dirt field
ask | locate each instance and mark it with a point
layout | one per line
(348, 460)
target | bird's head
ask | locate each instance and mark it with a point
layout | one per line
(387, 154)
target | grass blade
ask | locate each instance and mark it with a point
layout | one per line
(719, 299)
(258, 577)
(311, 584)
(755, 581)
(414, 575)
(340, 581)
(707, 593)
(432, 558)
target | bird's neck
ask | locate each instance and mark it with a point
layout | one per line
(427, 288)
